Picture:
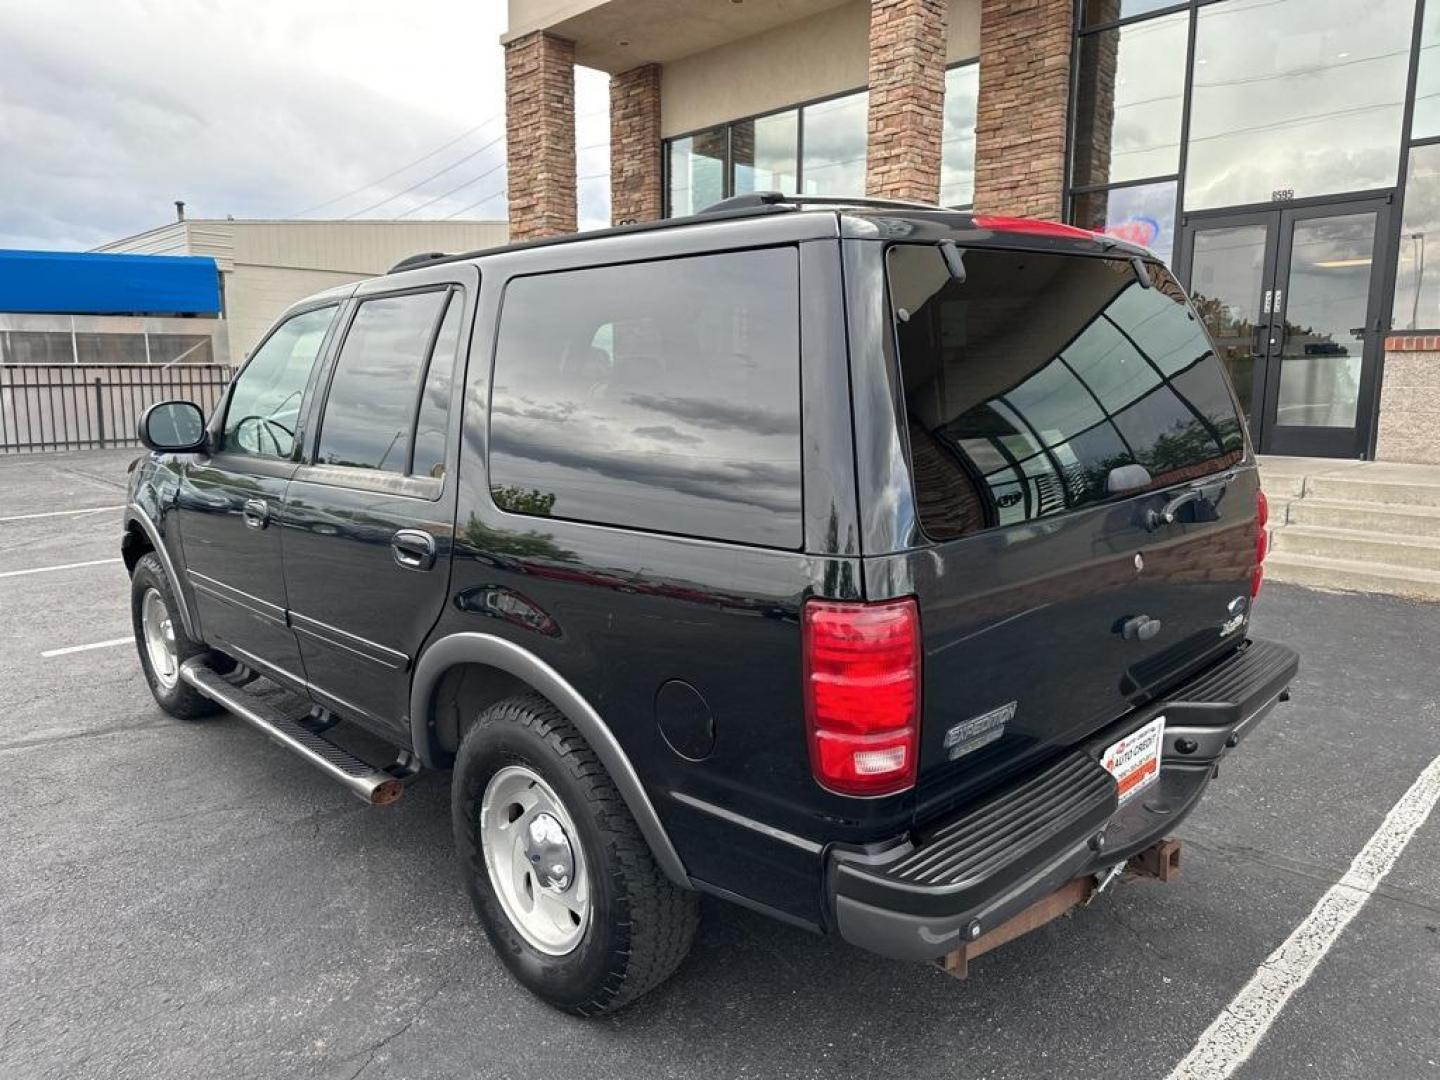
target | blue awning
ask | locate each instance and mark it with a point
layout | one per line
(98, 283)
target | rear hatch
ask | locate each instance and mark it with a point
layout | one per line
(1058, 407)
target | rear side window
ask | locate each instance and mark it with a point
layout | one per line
(370, 410)
(662, 396)
(1045, 383)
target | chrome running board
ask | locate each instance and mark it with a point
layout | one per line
(374, 786)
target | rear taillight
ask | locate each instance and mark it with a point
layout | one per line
(862, 694)
(1262, 542)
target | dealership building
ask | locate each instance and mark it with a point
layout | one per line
(1282, 155)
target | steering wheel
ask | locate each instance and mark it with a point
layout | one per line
(265, 425)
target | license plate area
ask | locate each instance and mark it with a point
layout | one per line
(1134, 759)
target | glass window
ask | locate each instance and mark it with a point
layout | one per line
(1041, 382)
(1425, 123)
(764, 153)
(662, 396)
(1143, 214)
(1129, 101)
(432, 422)
(110, 348)
(38, 347)
(1099, 12)
(835, 142)
(1417, 280)
(265, 401)
(1296, 98)
(957, 148)
(697, 171)
(180, 349)
(371, 403)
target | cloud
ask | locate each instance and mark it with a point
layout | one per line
(111, 109)
(720, 415)
(666, 433)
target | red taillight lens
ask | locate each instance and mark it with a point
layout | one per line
(862, 694)
(1262, 542)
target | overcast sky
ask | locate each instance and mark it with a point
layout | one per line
(112, 109)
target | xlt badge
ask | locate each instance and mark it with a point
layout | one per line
(970, 735)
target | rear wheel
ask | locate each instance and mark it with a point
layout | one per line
(162, 642)
(562, 880)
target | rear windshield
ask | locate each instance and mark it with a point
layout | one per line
(1045, 383)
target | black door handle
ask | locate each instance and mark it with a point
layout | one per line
(414, 549)
(1166, 515)
(256, 513)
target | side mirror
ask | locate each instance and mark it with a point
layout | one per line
(1127, 478)
(172, 427)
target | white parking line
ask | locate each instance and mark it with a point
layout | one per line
(86, 648)
(49, 569)
(1232, 1038)
(60, 513)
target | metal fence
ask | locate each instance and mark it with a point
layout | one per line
(83, 407)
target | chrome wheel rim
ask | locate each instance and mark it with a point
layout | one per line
(534, 859)
(159, 631)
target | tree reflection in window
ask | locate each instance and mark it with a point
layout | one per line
(1046, 383)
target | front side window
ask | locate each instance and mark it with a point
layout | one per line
(370, 409)
(662, 396)
(1046, 383)
(264, 408)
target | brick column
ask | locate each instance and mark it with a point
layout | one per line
(1024, 88)
(907, 98)
(540, 135)
(635, 193)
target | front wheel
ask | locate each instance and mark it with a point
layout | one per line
(564, 884)
(163, 644)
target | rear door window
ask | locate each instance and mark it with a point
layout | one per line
(1045, 383)
(662, 396)
(370, 410)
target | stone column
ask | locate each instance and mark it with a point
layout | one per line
(540, 135)
(635, 192)
(907, 98)
(1024, 91)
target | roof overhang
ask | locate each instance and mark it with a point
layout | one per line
(616, 35)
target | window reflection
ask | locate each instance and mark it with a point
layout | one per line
(697, 171)
(764, 152)
(661, 396)
(1304, 97)
(1425, 123)
(957, 147)
(1099, 12)
(1143, 214)
(835, 142)
(1417, 281)
(1046, 383)
(1130, 100)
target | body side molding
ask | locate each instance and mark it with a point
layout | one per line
(475, 648)
(136, 513)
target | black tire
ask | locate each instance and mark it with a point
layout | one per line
(641, 924)
(180, 700)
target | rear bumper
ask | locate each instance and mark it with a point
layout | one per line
(923, 897)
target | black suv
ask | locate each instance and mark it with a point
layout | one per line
(878, 567)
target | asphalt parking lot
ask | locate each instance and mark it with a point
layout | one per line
(191, 901)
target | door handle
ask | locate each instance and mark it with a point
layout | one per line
(414, 549)
(256, 513)
(1166, 515)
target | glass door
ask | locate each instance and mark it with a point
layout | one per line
(1294, 306)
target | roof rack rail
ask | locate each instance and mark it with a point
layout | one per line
(412, 261)
(756, 200)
